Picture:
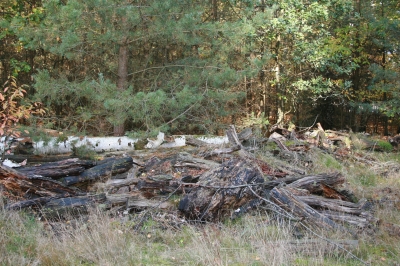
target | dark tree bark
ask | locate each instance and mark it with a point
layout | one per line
(19, 186)
(98, 172)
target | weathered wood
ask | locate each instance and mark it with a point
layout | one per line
(281, 181)
(184, 159)
(196, 142)
(117, 183)
(279, 143)
(293, 204)
(19, 186)
(217, 152)
(157, 187)
(73, 166)
(232, 136)
(364, 220)
(107, 169)
(334, 204)
(287, 168)
(313, 182)
(61, 208)
(135, 203)
(36, 158)
(245, 134)
(221, 190)
(38, 202)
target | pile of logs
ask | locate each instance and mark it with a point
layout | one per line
(213, 183)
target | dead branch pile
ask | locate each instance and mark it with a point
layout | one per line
(212, 184)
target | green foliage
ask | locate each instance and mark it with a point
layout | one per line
(258, 121)
(187, 65)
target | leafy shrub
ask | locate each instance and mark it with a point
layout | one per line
(14, 108)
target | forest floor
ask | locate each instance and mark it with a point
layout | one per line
(259, 237)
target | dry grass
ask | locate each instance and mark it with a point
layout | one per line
(255, 239)
(100, 240)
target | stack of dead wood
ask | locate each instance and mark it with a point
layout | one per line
(213, 184)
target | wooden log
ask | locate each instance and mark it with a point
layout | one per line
(313, 182)
(36, 158)
(62, 208)
(222, 190)
(293, 204)
(196, 142)
(281, 181)
(107, 169)
(19, 186)
(155, 187)
(117, 183)
(135, 203)
(245, 134)
(333, 204)
(73, 166)
(185, 159)
(364, 220)
(217, 152)
(38, 202)
(232, 136)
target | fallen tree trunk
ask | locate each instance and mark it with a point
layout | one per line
(107, 169)
(73, 166)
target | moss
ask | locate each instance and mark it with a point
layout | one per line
(384, 145)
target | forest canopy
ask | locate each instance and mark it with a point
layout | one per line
(110, 67)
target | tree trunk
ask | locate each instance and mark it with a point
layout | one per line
(119, 129)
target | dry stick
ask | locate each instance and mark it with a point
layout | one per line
(287, 214)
